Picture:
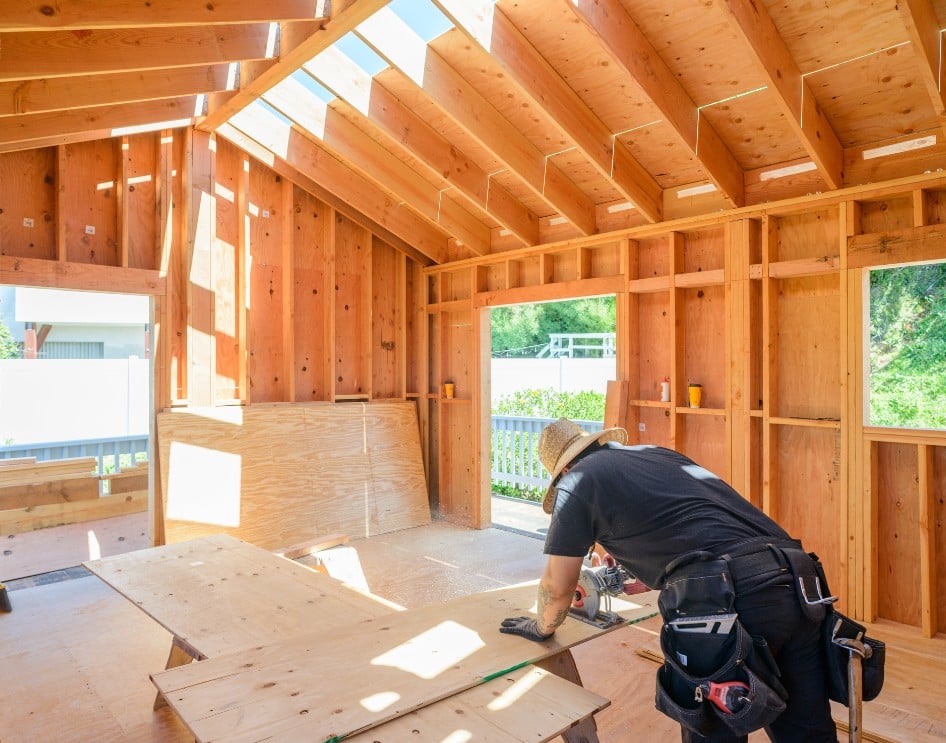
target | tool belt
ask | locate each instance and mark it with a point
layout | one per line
(699, 587)
(835, 629)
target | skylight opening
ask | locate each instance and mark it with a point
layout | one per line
(269, 109)
(313, 86)
(424, 18)
(362, 55)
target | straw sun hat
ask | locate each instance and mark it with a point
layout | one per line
(564, 440)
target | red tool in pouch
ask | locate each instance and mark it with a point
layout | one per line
(728, 696)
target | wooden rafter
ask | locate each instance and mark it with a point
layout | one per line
(394, 40)
(496, 35)
(284, 142)
(30, 15)
(753, 23)
(83, 91)
(41, 54)
(349, 82)
(357, 150)
(927, 38)
(28, 130)
(626, 43)
(294, 50)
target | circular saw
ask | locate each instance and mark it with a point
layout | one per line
(596, 586)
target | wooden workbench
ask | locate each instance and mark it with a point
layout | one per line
(295, 655)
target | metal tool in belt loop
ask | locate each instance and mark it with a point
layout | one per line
(857, 651)
(821, 598)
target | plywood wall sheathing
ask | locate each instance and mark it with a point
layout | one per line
(280, 474)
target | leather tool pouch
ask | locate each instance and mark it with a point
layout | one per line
(742, 658)
(837, 658)
(809, 581)
(696, 584)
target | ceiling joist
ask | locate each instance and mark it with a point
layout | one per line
(35, 55)
(83, 91)
(30, 15)
(19, 132)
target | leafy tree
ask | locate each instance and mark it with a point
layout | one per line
(908, 346)
(521, 331)
(8, 346)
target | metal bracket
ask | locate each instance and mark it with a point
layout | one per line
(821, 598)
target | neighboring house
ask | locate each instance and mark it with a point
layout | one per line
(52, 324)
(84, 366)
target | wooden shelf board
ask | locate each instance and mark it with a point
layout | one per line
(833, 423)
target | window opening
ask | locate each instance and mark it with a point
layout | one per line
(907, 353)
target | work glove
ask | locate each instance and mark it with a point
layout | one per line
(524, 627)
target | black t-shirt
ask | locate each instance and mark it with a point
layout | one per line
(647, 505)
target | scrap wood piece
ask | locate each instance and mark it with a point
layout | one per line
(68, 489)
(528, 705)
(53, 469)
(421, 655)
(310, 547)
(17, 520)
(10, 461)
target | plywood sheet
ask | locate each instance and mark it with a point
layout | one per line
(809, 373)
(529, 705)
(809, 501)
(379, 670)
(898, 539)
(222, 595)
(275, 475)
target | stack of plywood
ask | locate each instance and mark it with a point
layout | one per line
(35, 495)
(285, 473)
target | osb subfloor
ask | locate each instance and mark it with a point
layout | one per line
(76, 656)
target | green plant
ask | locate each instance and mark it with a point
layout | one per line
(550, 403)
(521, 331)
(908, 346)
(540, 403)
(8, 346)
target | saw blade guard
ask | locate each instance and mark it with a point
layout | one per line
(587, 600)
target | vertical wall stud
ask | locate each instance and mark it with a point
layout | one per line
(123, 145)
(928, 595)
(60, 201)
(288, 300)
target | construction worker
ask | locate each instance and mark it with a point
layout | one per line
(677, 527)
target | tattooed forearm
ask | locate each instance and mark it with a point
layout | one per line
(542, 605)
(548, 617)
(560, 617)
